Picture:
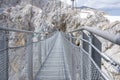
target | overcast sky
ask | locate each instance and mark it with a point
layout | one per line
(96, 3)
(112, 6)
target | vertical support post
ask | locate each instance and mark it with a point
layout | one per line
(42, 51)
(85, 45)
(39, 50)
(81, 77)
(70, 38)
(90, 53)
(90, 41)
(30, 56)
(7, 55)
(45, 47)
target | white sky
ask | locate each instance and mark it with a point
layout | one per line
(96, 3)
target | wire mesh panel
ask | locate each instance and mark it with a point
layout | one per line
(3, 56)
(73, 60)
(81, 65)
(96, 73)
(21, 55)
(44, 47)
(46, 44)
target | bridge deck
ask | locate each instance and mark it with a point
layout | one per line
(53, 68)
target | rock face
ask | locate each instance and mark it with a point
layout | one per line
(47, 14)
(5, 3)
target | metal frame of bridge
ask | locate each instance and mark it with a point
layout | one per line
(75, 62)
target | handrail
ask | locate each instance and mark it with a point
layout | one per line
(91, 63)
(18, 30)
(105, 57)
(108, 36)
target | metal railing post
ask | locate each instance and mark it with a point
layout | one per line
(90, 53)
(45, 46)
(7, 55)
(81, 77)
(90, 41)
(39, 50)
(71, 37)
(30, 56)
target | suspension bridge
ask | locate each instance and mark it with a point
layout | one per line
(58, 57)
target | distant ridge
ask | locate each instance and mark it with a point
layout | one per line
(82, 7)
(112, 11)
(85, 7)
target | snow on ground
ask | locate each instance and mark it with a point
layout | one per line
(112, 18)
(83, 15)
(67, 2)
(88, 11)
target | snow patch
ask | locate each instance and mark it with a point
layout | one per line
(112, 18)
(69, 2)
(88, 11)
(83, 15)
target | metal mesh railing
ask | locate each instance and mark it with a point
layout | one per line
(42, 50)
(89, 40)
(21, 56)
(3, 56)
(90, 69)
(81, 65)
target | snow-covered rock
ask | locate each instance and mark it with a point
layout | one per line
(112, 18)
